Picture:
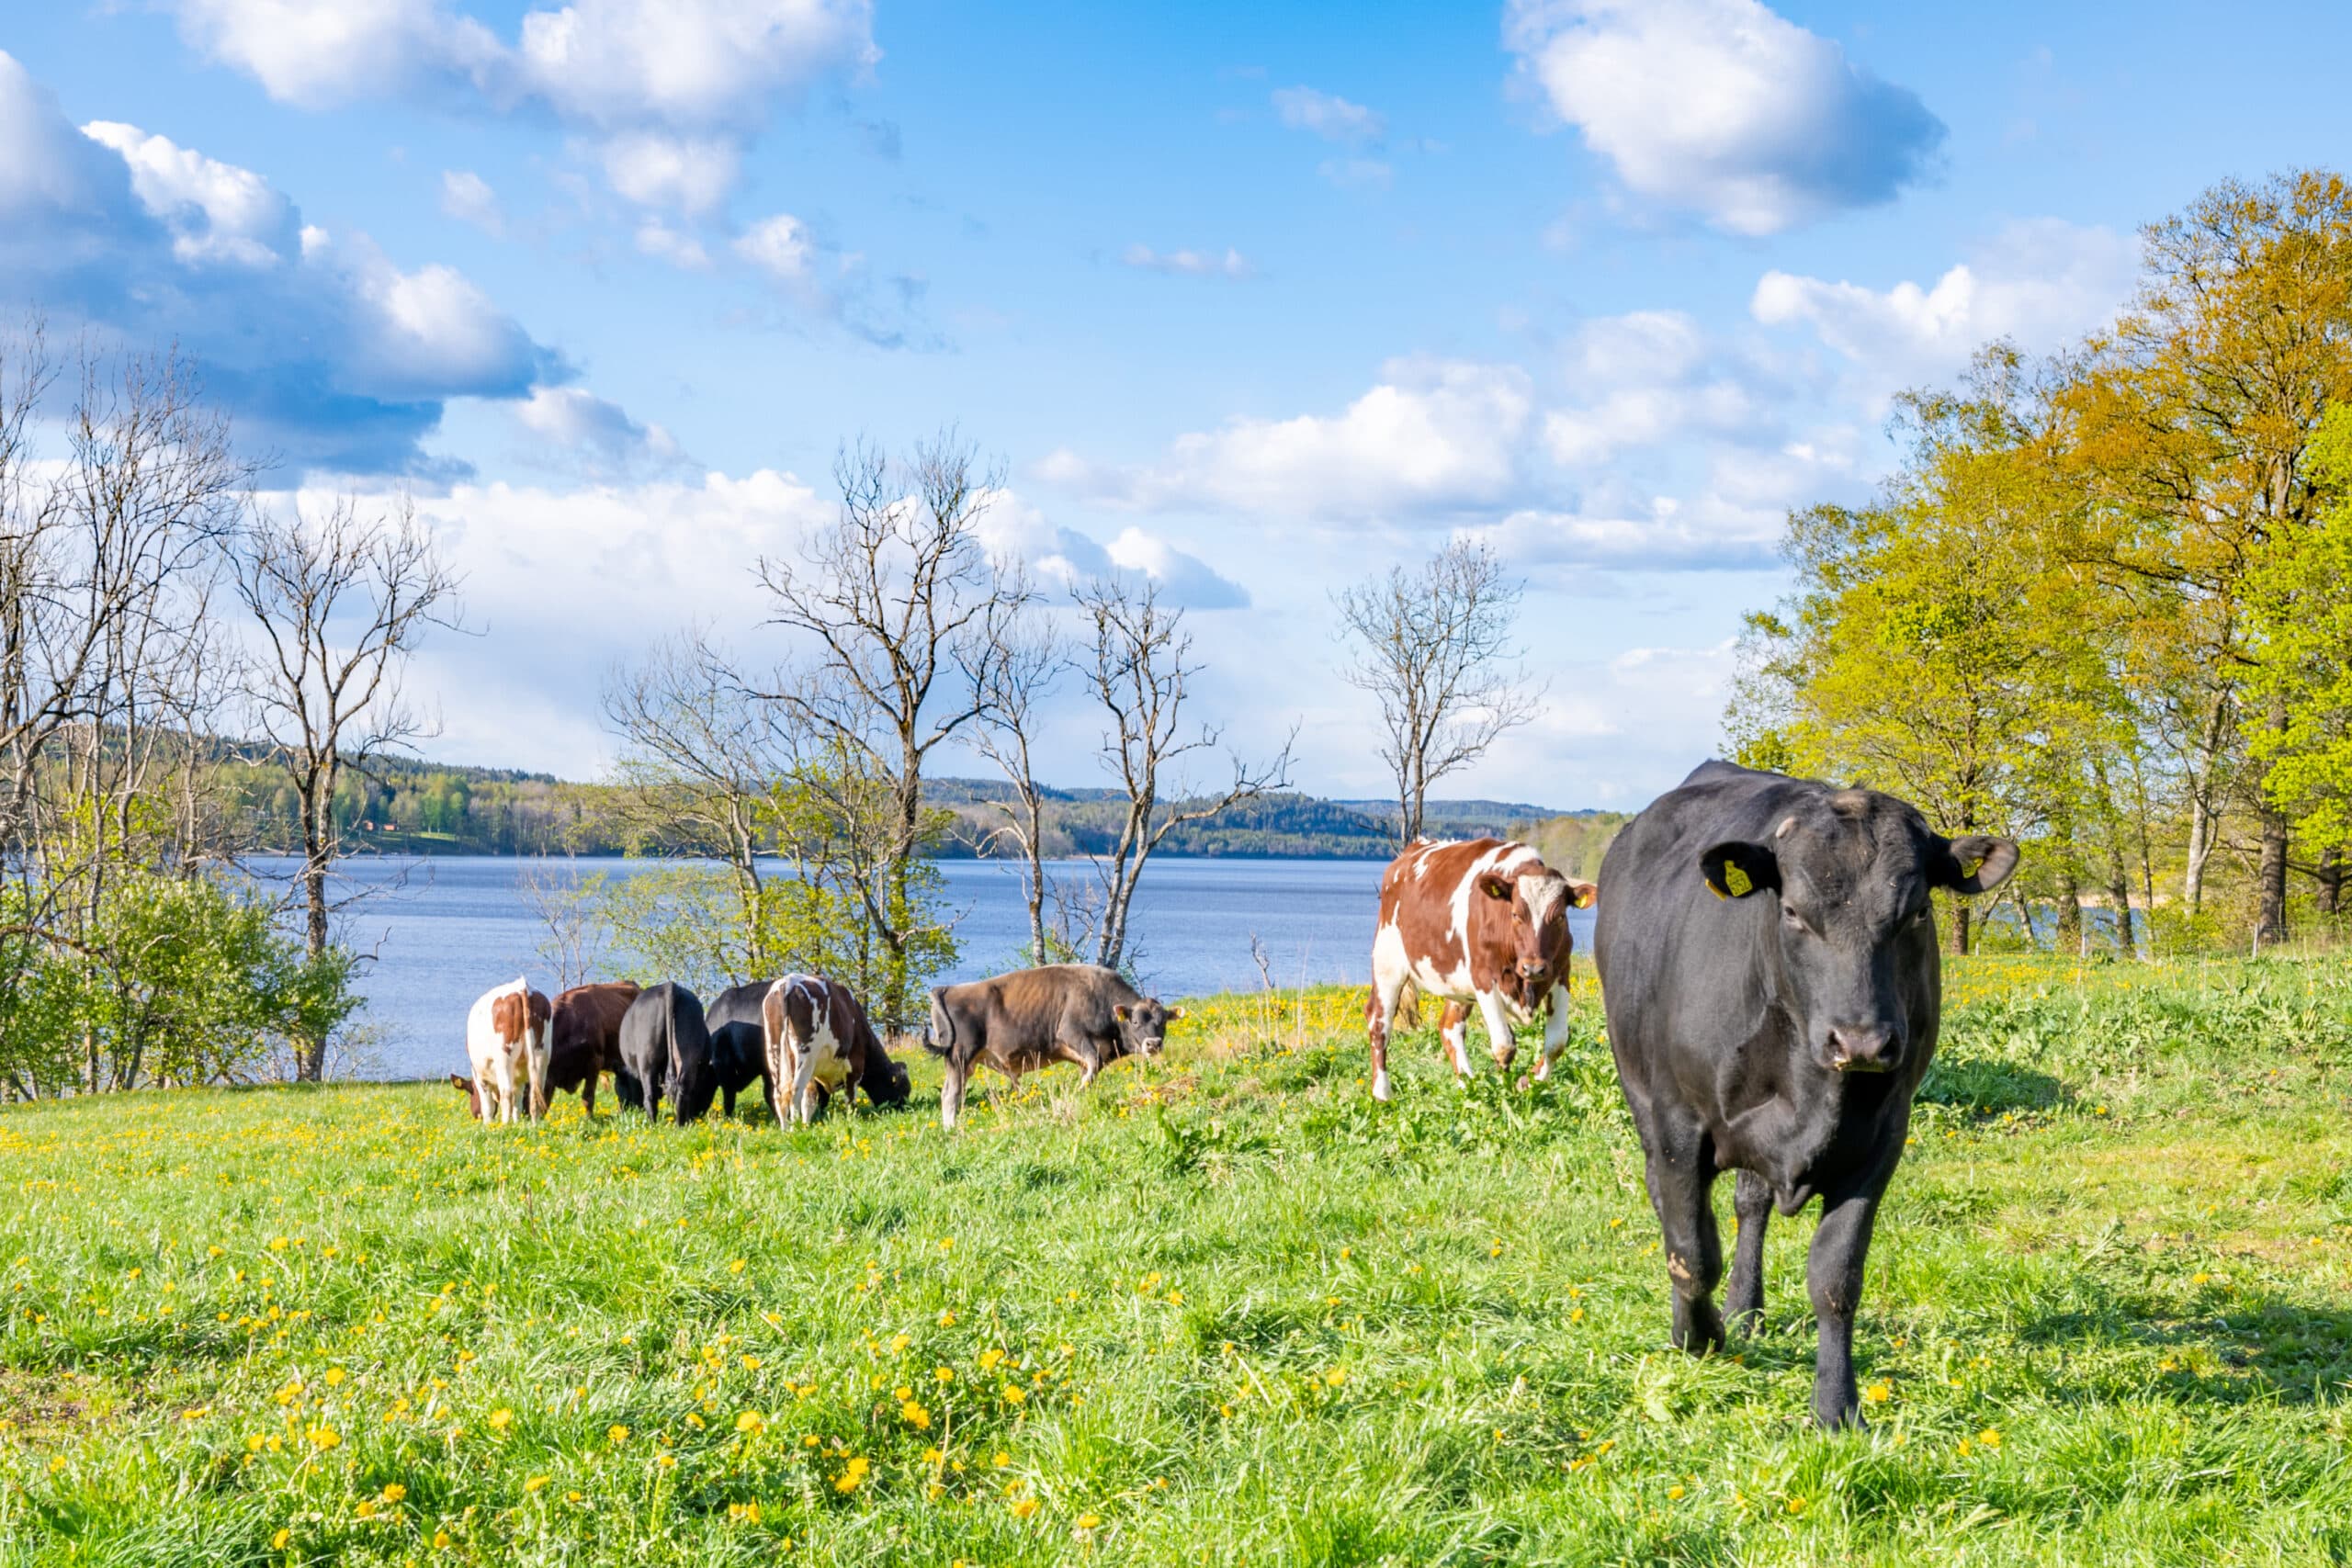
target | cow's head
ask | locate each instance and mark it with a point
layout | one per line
(473, 1096)
(886, 1083)
(1143, 1026)
(1845, 880)
(1537, 900)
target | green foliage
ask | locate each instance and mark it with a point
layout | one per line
(1247, 1314)
(2302, 618)
(178, 980)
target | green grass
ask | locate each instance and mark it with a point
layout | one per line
(1220, 1309)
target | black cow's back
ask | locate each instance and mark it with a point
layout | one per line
(665, 1052)
(738, 1035)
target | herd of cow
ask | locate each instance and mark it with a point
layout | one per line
(1770, 973)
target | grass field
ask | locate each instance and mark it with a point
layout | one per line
(1219, 1309)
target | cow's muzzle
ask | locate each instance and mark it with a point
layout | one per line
(1531, 969)
(1875, 1048)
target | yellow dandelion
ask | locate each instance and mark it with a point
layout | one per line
(1089, 1521)
(1878, 1393)
(751, 1421)
(616, 1434)
(1024, 1506)
(393, 1491)
(535, 1482)
(501, 1418)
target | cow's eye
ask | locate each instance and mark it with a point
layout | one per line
(1794, 921)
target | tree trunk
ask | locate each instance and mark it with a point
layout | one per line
(2271, 879)
(2331, 883)
(2070, 911)
(1959, 914)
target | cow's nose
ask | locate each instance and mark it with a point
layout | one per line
(1870, 1048)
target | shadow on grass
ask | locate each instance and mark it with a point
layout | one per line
(2252, 1347)
(1988, 1086)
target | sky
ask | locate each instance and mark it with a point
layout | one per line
(1255, 300)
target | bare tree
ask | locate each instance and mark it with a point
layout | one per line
(890, 601)
(573, 938)
(1433, 646)
(1029, 658)
(1140, 672)
(701, 759)
(340, 601)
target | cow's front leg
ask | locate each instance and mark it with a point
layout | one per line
(1682, 1180)
(1498, 1033)
(1832, 1277)
(1556, 1032)
(1751, 1201)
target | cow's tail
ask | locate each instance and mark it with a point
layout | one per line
(943, 1023)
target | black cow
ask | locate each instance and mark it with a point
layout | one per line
(665, 1050)
(1033, 1018)
(1768, 959)
(738, 1056)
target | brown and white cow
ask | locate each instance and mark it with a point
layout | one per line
(819, 1039)
(1483, 921)
(506, 1041)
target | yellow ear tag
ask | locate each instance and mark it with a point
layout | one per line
(1735, 880)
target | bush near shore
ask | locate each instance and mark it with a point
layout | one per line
(1219, 1308)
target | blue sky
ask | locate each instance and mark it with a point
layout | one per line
(1257, 299)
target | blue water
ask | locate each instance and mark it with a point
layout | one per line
(451, 928)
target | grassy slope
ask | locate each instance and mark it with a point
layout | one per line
(1246, 1314)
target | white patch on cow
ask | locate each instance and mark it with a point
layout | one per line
(495, 1058)
(817, 1058)
(1545, 896)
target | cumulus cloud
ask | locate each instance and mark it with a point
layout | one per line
(704, 73)
(2041, 283)
(1723, 108)
(1433, 437)
(597, 434)
(680, 249)
(691, 174)
(818, 277)
(1190, 264)
(466, 196)
(1329, 115)
(780, 247)
(1012, 529)
(1651, 376)
(135, 237)
(1616, 732)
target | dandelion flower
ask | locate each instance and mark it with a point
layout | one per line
(616, 1434)
(1089, 1521)
(501, 1418)
(750, 1421)
(393, 1491)
(277, 1541)
(1878, 1393)
(535, 1484)
(1024, 1506)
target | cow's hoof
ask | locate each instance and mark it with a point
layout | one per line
(1380, 1089)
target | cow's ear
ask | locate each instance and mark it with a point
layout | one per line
(1175, 1013)
(1735, 869)
(1496, 887)
(1977, 864)
(1582, 894)
(1123, 1012)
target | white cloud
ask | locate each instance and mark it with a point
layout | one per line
(778, 246)
(708, 72)
(1329, 115)
(215, 212)
(691, 174)
(1722, 108)
(1191, 264)
(655, 238)
(318, 55)
(598, 433)
(466, 196)
(1434, 437)
(2041, 283)
(1650, 378)
(324, 350)
(1063, 558)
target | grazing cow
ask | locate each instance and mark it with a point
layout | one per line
(817, 1037)
(1033, 1018)
(665, 1050)
(1483, 921)
(739, 1053)
(506, 1031)
(585, 1035)
(1768, 959)
(473, 1096)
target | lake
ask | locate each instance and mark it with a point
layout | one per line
(454, 927)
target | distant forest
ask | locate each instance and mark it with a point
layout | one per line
(418, 808)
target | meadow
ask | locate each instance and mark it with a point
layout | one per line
(1222, 1308)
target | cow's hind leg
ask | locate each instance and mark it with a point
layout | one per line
(1751, 1203)
(1682, 1180)
(951, 1092)
(1380, 1019)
